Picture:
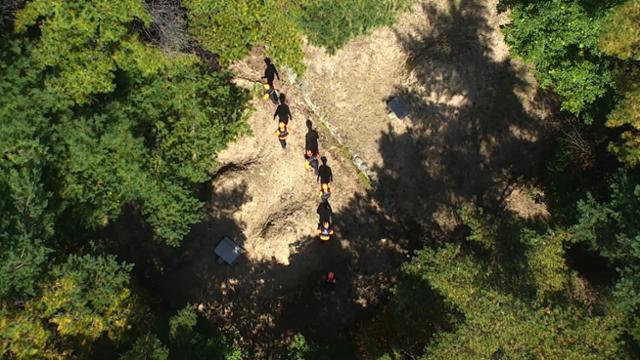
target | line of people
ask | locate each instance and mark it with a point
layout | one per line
(313, 161)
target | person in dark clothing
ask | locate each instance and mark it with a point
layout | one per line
(324, 212)
(325, 176)
(282, 111)
(270, 73)
(270, 93)
(325, 192)
(311, 139)
(282, 133)
(325, 230)
(311, 161)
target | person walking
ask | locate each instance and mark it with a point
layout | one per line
(282, 133)
(325, 177)
(325, 230)
(311, 161)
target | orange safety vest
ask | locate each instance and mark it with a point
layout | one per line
(325, 191)
(325, 233)
(282, 131)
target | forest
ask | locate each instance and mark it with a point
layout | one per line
(501, 221)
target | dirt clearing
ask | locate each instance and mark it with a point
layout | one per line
(475, 131)
(264, 198)
(476, 121)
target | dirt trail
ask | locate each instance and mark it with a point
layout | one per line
(475, 126)
(264, 198)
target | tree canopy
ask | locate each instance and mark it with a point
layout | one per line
(99, 121)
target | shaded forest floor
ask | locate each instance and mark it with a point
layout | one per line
(475, 134)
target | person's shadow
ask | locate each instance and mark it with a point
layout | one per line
(311, 138)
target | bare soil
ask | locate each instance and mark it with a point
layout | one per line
(264, 199)
(476, 122)
(475, 132)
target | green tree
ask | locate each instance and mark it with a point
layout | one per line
(560, 38)
(332, 24)
(190, 338)
(82, 299)
(146, 347)
(509, 301)
(611, 227)
(26, 223)
(144, 129)
(545, 259)
(498, 324)
(82, 44)
(621, 32)
(621, 39)
(230, 28)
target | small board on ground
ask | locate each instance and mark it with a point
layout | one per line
(228, 251)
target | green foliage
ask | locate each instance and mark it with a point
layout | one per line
(611, 228)
(302, 349)
(332, 24)
(99, 163)
(230, 28)
(146, 347)
(88, 297)
(84, 298)
(150, 139)
(621, 39)
(560, 38)
(188, 115)
(171, 210)
(94, 119)
(299, 348)
(190, 338)
(23, 336)
(621, 32)
(545, 258)
(484, 228)
(80, 43)
(182, 322)
(26, 222)
(21, 265)
(24, 228)
(627, 116)
(497, 323)
(500, 304)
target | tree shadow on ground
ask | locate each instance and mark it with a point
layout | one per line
(172, 271)
(267, 302)
(468, 139)
(469, 136)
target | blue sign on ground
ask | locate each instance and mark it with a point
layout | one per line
(228, 250)
(398, 107)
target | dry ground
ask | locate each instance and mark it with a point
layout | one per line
(475, 129)
(475, 123)
(262, 197)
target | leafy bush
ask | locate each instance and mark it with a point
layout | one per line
(229, 28)
(147, 347)
(561, 39)
(332, 24)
